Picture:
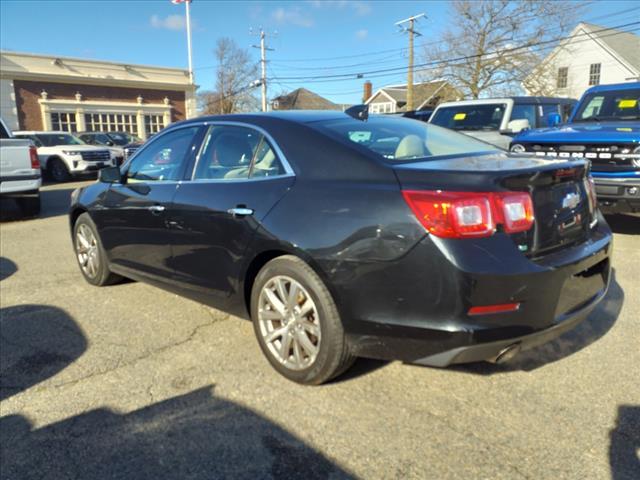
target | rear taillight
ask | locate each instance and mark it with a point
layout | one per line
(470, 214)
(33, 155)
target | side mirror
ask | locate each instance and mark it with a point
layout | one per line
(110, 175)
(553, 119)
(518, 125)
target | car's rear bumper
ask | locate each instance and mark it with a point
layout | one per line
(618, 194)
(428, 321)
(18, 184)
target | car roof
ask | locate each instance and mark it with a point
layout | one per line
(614, 86)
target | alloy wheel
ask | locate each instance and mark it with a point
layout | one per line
(289, 322)
(87, 251)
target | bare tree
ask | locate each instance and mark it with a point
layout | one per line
(496, 42)
(235, 73)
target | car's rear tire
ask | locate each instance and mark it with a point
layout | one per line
(297, 322)
(29, 205)
(58, 170)
(90, 254)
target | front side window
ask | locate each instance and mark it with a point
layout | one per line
(486, 116)
(613, 105)
(525, 112)
(400, 139)
(594, 74)
(563, 77)
(163, 159)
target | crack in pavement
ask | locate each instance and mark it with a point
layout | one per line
(147, 355)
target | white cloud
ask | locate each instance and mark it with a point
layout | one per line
(292, 16)
(362, 34)
(359, 7)
(170, 22)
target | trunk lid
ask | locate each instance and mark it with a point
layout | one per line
(559, 190)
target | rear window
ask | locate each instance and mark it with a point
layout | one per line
(487, 116)
(400, 139)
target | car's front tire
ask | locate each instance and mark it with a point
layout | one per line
(90, 253)
(297, 322)
(58, 170)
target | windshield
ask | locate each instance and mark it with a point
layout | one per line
(122, 138)
(487, 116)
(613, 105)
(400, 139)
(53, 139)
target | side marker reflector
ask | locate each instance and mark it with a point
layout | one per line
(500, 308)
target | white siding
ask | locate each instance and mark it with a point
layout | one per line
(578, 55)
(8, 109)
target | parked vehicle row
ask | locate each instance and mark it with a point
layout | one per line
(497, 120)
(341, 237)
(121, 144)
(20, 176)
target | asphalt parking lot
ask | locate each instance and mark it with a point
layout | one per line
(129, 381)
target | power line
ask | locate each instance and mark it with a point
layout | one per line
(503, 52)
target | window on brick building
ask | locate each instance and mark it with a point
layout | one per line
(65, 122)
(111, 122)
(153, 124)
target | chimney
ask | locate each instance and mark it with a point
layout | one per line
(366, 94)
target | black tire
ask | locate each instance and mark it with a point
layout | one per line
(29, 205)
(334, 356)
(58, 170)
(102, 276)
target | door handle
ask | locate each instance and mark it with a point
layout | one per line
(155, 209)
(240, 211)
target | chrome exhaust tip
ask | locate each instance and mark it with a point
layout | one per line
(506, 354)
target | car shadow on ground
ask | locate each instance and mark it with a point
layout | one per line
(36, 342)
(195, 436)
(53, 202)
(624, 446)
(595, 326)
(624, 224)
(7, 268)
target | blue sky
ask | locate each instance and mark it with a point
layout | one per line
(152, 32)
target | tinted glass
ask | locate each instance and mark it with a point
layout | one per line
(164, 158)
(120, 138)
(266, 162)
(548, 109)
(400, 139)
(614, 105)
(524, 112)
(53, 139)
(470, 117)
(227, 153)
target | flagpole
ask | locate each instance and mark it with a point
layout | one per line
(189, 42)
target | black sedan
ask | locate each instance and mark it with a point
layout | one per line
(343, 237)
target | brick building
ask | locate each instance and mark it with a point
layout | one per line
(43, 92)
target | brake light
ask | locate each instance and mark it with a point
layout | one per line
(33, 155)
(514, 210)
(470, 214)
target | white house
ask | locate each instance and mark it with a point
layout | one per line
(591, 55)
(393, 98)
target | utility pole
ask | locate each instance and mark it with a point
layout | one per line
(263, 66)
(412, 31)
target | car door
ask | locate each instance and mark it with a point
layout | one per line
(240, 174)
(133, 223)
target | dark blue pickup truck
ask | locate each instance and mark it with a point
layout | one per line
(605, 129)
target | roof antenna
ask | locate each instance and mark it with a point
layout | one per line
(359, 112)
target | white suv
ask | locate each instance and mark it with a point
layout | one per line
(62, 154)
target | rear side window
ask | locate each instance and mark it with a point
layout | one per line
(400, 139)
(233, 152)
